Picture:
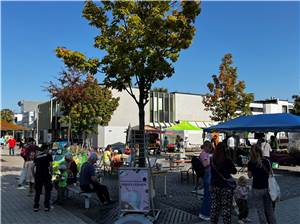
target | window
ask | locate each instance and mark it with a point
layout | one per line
(257, 109)
(284, 109)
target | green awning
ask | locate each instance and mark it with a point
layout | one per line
(184, 126)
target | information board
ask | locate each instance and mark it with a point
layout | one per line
(134, 185)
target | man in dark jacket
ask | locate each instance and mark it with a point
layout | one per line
(89, 182)
(43, 175)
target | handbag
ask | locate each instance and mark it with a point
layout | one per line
(273, 187)
(229, 181)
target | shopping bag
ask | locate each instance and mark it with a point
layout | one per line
(274, 189)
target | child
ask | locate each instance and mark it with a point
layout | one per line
(29, 167)
(61, 182)
(241, 196)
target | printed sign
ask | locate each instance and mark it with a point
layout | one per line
(134, 184)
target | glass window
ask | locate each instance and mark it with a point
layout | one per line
(284, 109)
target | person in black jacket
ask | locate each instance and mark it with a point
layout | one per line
(222, 185)
(42, 177)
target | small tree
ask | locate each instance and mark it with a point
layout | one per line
(96, 108)
(85, 104)
(7, 115)
(296, 109)
(142, 39)
(227, 98)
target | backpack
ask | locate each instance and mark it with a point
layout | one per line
(198, 166)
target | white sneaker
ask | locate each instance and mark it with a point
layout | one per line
(204, 217)
(241, 222)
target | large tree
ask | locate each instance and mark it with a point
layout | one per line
(296, 109)
(227, 97)
(142, 40)
(85, 104)
(7, 115)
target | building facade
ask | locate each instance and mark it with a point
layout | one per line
(27, 117)
(162, 111)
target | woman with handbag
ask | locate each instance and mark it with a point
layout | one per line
(259, 168)
(205, 160)
(222, 185)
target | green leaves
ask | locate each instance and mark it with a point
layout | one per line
(75, 60)
(296, 109)
(141, 38)
(7, 115)
(226, 98)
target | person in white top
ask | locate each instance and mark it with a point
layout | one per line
(231, 145)
(231, 142)
(265, 148)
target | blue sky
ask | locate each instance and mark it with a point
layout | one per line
(262, 36)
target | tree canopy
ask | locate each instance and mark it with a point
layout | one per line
(227, 97)
(7, 115)
(85, 104)
(296, 109)
(141, 40)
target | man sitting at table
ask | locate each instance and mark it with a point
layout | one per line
(89, 182)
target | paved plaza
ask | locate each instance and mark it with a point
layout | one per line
(179, 206)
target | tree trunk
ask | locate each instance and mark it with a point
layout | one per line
(142, 161)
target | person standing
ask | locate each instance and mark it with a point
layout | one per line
(29, 166)
(166, 143)
(11, 145)
(205, 160)
(259, 168)
(231, 145)
(222, 185)
(274, 143)
(88, 180)
(215, 141)
(42, 177)
(265, 148)
(2, 142)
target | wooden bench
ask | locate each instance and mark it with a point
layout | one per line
(76, 190)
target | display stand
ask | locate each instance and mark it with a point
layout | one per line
(136, 192)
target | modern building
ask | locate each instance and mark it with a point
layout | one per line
(27, 116)
(271, 106)
(162, 111)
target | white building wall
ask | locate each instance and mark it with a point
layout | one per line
(127, 111)
(272, 108)
(190, 107)
(18, 118)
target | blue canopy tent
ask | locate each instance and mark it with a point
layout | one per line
(260, 123)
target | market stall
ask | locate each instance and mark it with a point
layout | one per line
(190, 134)
(282, 122)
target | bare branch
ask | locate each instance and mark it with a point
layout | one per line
(130, 92)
